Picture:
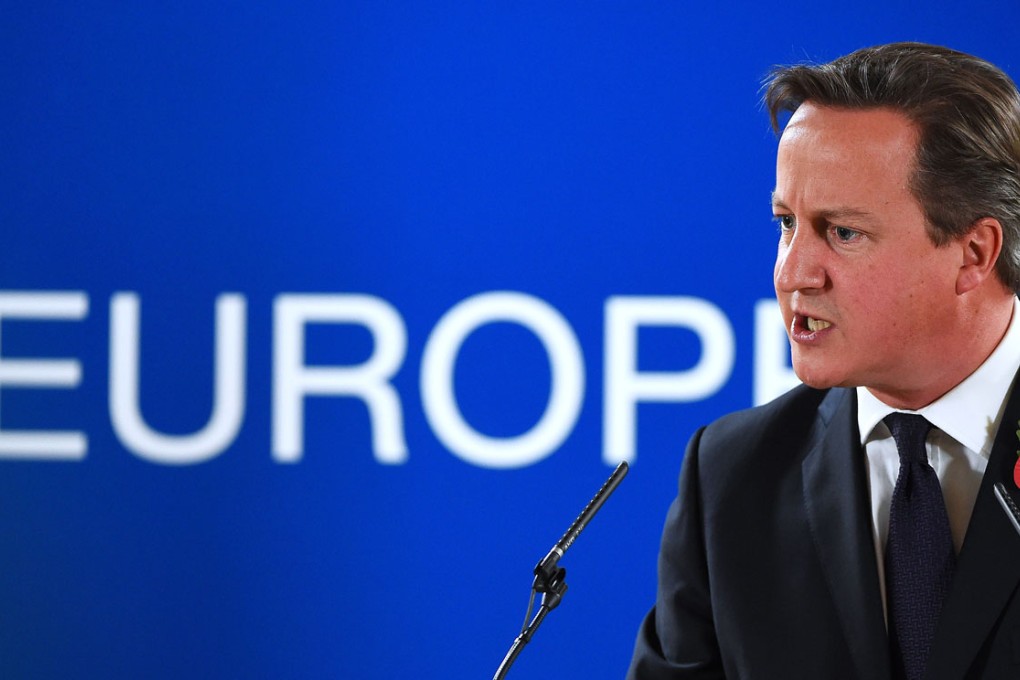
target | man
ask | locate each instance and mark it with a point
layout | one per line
(810, 537)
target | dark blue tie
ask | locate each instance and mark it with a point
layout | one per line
(919, 556)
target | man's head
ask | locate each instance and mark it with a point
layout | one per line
(967, 113)
(888, 271)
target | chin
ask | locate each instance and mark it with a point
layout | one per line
(818, 379)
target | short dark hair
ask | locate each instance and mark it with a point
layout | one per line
(967, 112)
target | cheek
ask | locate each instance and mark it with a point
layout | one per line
(877, 315)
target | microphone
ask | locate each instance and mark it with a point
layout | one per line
(546, 568)
(549, 577)
(1008, 505)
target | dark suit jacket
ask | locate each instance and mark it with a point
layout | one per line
(768, 568)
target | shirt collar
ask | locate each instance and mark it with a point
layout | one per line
(971, 411)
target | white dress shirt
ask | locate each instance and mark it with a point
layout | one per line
(965, 422)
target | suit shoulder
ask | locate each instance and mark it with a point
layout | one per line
(786, 424)
(792, 405)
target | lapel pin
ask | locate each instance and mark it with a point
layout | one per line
(1016, 468)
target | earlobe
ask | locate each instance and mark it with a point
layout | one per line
(980, 247)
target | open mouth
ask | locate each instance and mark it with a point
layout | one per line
(804, 326)
(815, 324)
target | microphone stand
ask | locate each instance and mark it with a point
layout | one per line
(550, 578)
(552, 593)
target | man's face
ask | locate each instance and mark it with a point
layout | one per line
(865, 295)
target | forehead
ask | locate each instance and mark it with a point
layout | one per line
(830, 152)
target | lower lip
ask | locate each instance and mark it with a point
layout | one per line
(804, 336)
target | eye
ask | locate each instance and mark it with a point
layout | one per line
(786, 222)
(845, 234)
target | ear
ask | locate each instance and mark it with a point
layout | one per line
(980, 247)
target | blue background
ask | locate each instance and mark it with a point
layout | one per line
(417, 152)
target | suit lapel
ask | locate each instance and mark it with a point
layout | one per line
(988, 568)
(836, 500)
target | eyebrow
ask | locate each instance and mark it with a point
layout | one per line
(830, 213)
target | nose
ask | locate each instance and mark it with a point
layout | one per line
(799, 263)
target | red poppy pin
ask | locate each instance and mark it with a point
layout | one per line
(1016, 468)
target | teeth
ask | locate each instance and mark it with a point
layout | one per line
(816, 324)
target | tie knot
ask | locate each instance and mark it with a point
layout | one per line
(909, 430)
